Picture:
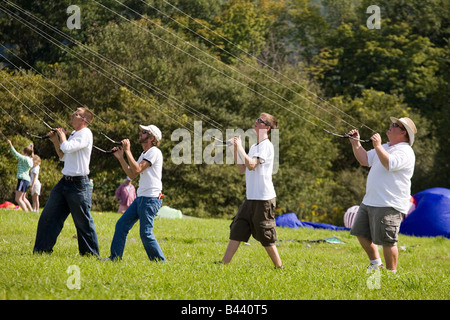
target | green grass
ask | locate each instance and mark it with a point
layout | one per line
(312, 271)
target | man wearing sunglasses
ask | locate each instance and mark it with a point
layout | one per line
(148, 202)
(256, 216)
(72, 193)
(388, 191)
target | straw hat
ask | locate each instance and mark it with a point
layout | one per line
(409, 126)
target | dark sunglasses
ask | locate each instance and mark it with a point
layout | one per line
(259, 120)
(396, 125)
(77, 115)
(145, 131)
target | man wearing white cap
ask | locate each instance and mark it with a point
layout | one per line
(148, 201)
(388, 190)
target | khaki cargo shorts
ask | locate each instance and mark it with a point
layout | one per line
(256, 218)
(378, 224)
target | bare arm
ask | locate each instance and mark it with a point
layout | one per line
(132, 168)
(32, 182)
(238, 160)
(382, 154)
(358, 151)
(244, 160)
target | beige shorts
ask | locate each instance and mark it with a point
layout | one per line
(378, 224)
(256, 218)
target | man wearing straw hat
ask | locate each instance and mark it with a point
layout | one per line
(388, 191)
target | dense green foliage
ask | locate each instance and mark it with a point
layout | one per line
(146, 61)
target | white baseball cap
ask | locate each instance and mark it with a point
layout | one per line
(153, 129)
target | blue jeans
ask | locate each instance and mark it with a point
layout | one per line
(143, 209)
(66, 197)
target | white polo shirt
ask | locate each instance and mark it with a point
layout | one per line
(150, 184)
(390, 188)
(77, 153)
(258, 182)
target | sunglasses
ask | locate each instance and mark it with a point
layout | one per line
(77, 115)
(259, 120)
(396, 125)
(145, 131)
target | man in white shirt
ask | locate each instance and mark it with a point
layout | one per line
(148, 202)
(72, 193)
(388, 190)
(256, 216)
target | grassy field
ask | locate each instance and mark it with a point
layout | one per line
(312, 270)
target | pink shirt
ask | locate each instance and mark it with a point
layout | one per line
(125, 196)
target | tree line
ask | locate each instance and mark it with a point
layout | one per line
(314, 64)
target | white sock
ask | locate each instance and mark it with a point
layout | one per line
(376, 261)
(393, 271)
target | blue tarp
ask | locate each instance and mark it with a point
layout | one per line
(431, 217)
(290, 220)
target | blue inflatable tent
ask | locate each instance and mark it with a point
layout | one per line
(431, 217)
(290, 220)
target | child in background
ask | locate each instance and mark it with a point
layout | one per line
(23, 166)
(35, 183)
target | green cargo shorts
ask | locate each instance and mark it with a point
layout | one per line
(256, 218)
(378, 224)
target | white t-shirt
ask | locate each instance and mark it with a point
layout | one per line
(34, 172)
(390, 188)
(150, 184)
(77, 153)
(259, 184)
